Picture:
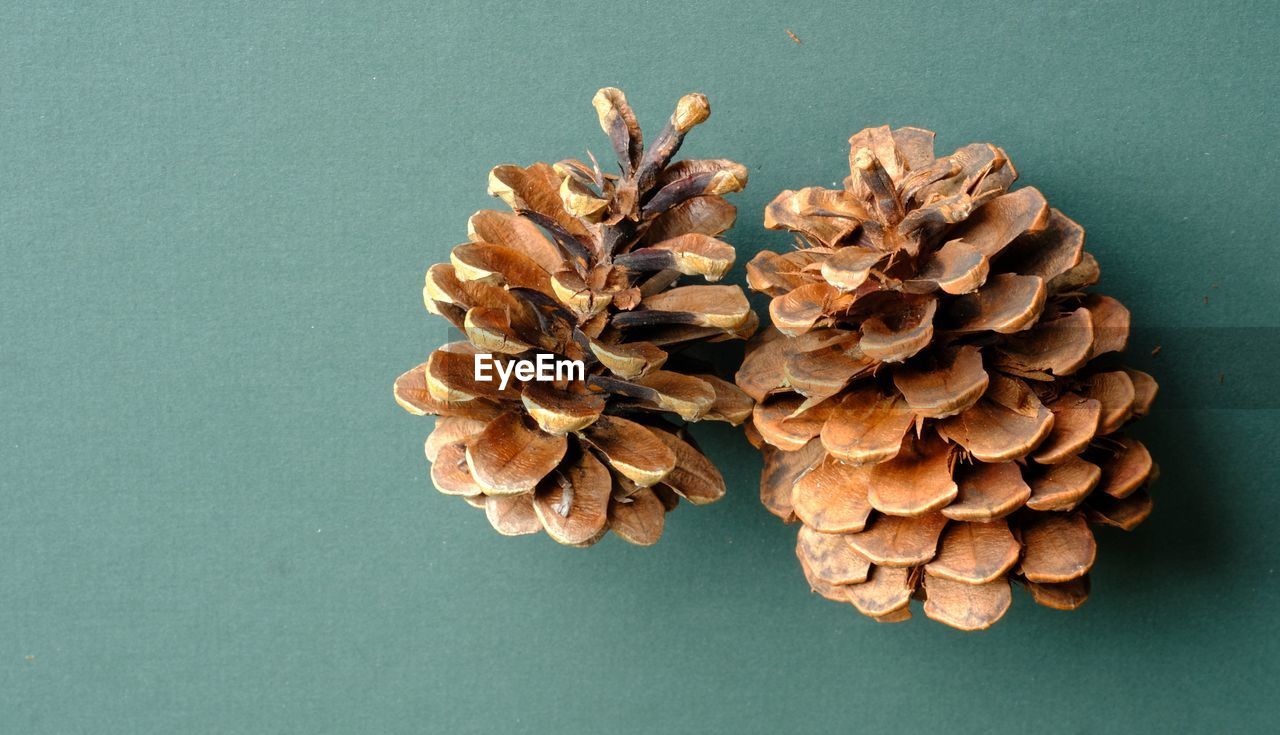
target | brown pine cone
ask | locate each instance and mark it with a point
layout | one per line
(929, 403)
(586, 267)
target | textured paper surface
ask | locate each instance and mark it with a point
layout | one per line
(214, 223)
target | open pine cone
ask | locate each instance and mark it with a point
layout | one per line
(929, 404)
(586, 268)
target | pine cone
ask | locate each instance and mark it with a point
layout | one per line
(929, 403)
(586, 268)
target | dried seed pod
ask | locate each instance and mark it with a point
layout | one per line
(587, 267)
(930, 392)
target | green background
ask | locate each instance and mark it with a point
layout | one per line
(214, 224)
